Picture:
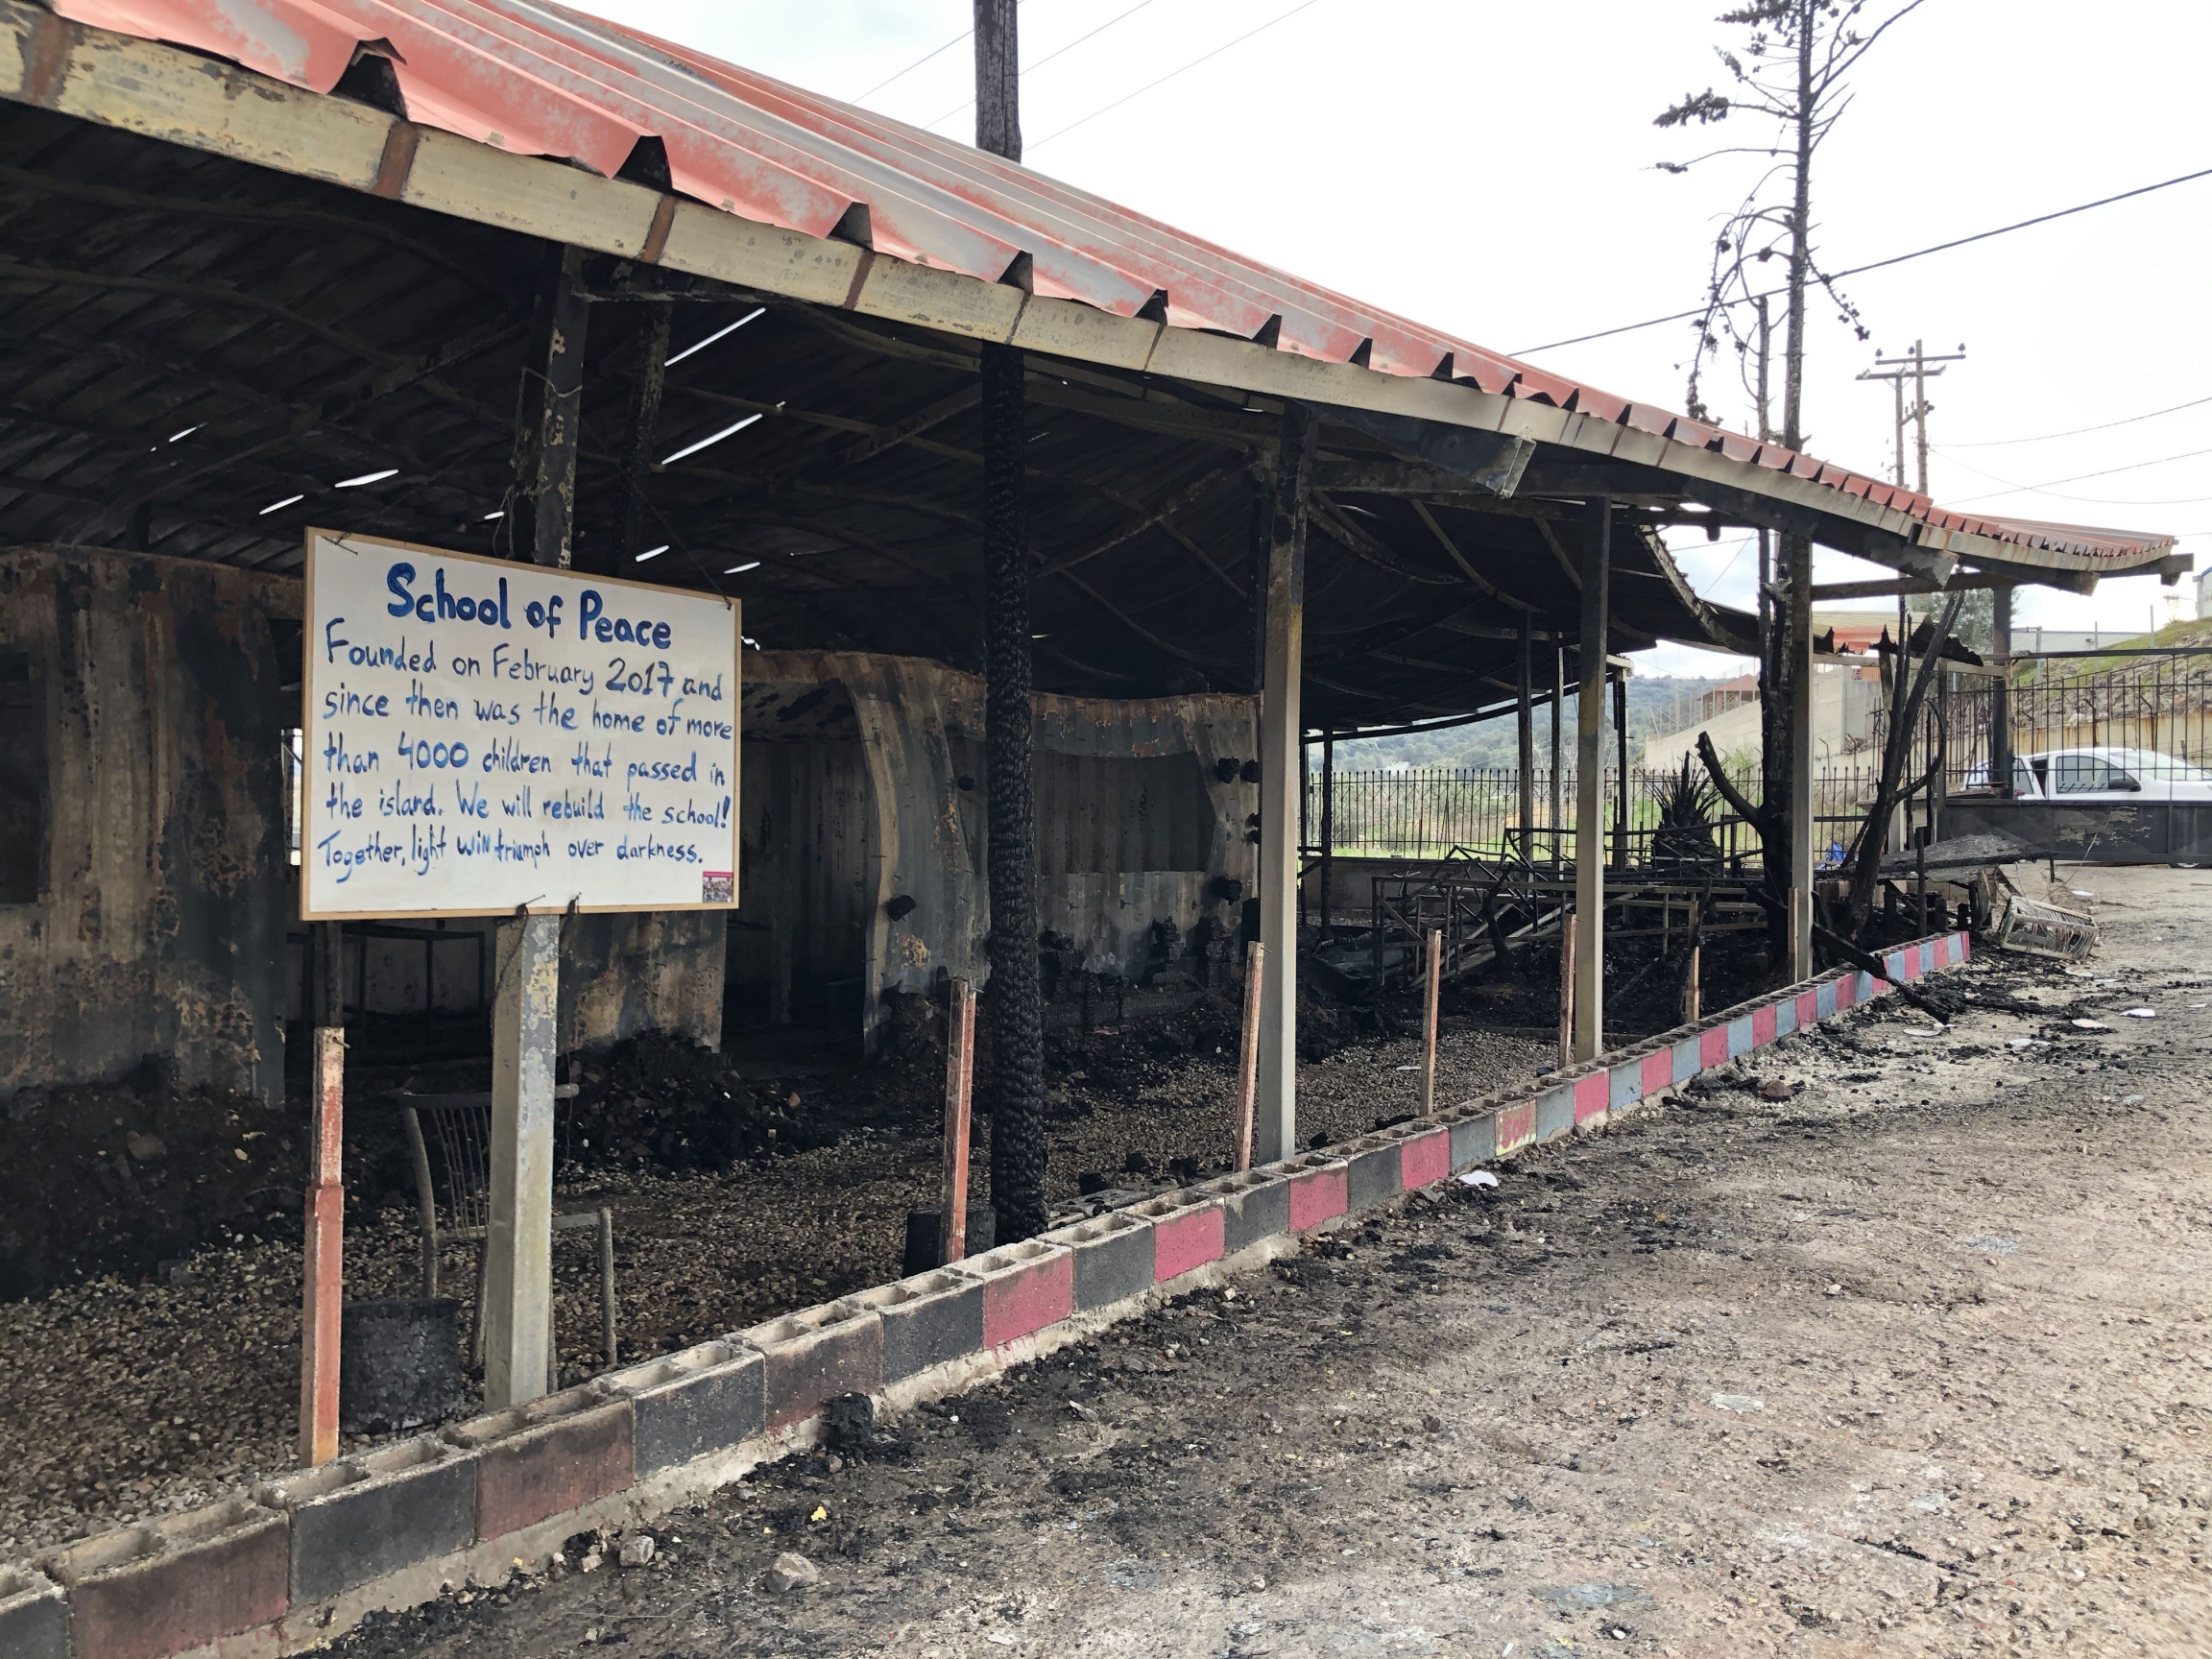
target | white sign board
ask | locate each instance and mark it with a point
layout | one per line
(482, 735)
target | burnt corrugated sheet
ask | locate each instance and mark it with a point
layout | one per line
(864, 785)
(160, 926)
(627, 972)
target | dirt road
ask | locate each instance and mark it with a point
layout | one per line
(1909, 1362)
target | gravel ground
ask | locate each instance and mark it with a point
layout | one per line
(1912, 1360)
(121, 1399)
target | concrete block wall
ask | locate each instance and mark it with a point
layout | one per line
(310, 1553)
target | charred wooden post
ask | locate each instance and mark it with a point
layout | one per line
(1431, 1005)
(998, 79)
(1566, 988)
(1017, 1010)
(1590, 791)
(1800, 829)
(1619, 679)
(1328, 829)
(1524, 731)
(1305, 815)
(959, 1082)
(1693, 977)
(1248, 1053)
(322, 1252)
(637, 442)
(1558, 751)
(1940, 760)
(1277, 1108)
(542, 512)
(1768, 815)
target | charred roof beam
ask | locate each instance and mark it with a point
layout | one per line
(1493, 463)
(1429, 519)
(289, 217)
(1326, 515)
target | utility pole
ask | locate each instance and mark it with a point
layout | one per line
(1017, 1010)
(1914, 367)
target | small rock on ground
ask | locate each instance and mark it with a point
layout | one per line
(792, 1572)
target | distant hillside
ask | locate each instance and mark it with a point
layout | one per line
(1656, 705)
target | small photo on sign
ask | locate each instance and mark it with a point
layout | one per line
(718, 887)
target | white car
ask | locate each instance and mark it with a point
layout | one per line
(2102, 774)
(2117, 775)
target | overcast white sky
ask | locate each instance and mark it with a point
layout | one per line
(1486, 167)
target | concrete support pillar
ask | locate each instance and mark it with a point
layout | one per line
(322, 1254)
(1590, 791)
(519, 1250)
(1804, 833)
(1281, 773)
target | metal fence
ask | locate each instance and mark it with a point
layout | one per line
(2161, 705)
(1425, 813)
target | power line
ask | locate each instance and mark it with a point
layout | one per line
(916, 64)
(1877, 265)
(1304, 5)
(2100, 426)
(969, 104)
(2116, 501)
(2079, 477)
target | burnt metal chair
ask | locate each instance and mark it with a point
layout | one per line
(459, 1125)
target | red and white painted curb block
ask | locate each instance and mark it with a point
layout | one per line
(313, 1551)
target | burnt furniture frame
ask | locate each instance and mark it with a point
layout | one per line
(461, 1126)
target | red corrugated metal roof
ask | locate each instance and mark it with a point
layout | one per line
(540, 80)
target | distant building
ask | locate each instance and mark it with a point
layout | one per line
(1846, 696)
(2032, 640)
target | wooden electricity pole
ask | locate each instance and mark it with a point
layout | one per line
(1913, 366)
(1017, 1012)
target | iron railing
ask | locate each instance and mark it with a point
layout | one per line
(1428, 812)
(2160, 705)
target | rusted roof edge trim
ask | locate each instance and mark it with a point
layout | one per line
(166, 93)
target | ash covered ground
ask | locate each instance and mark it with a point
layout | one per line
(1912, 1360)
(157, 1375)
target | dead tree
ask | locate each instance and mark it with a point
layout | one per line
(1794, 69)
(1754, 813)
(1866, 849)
